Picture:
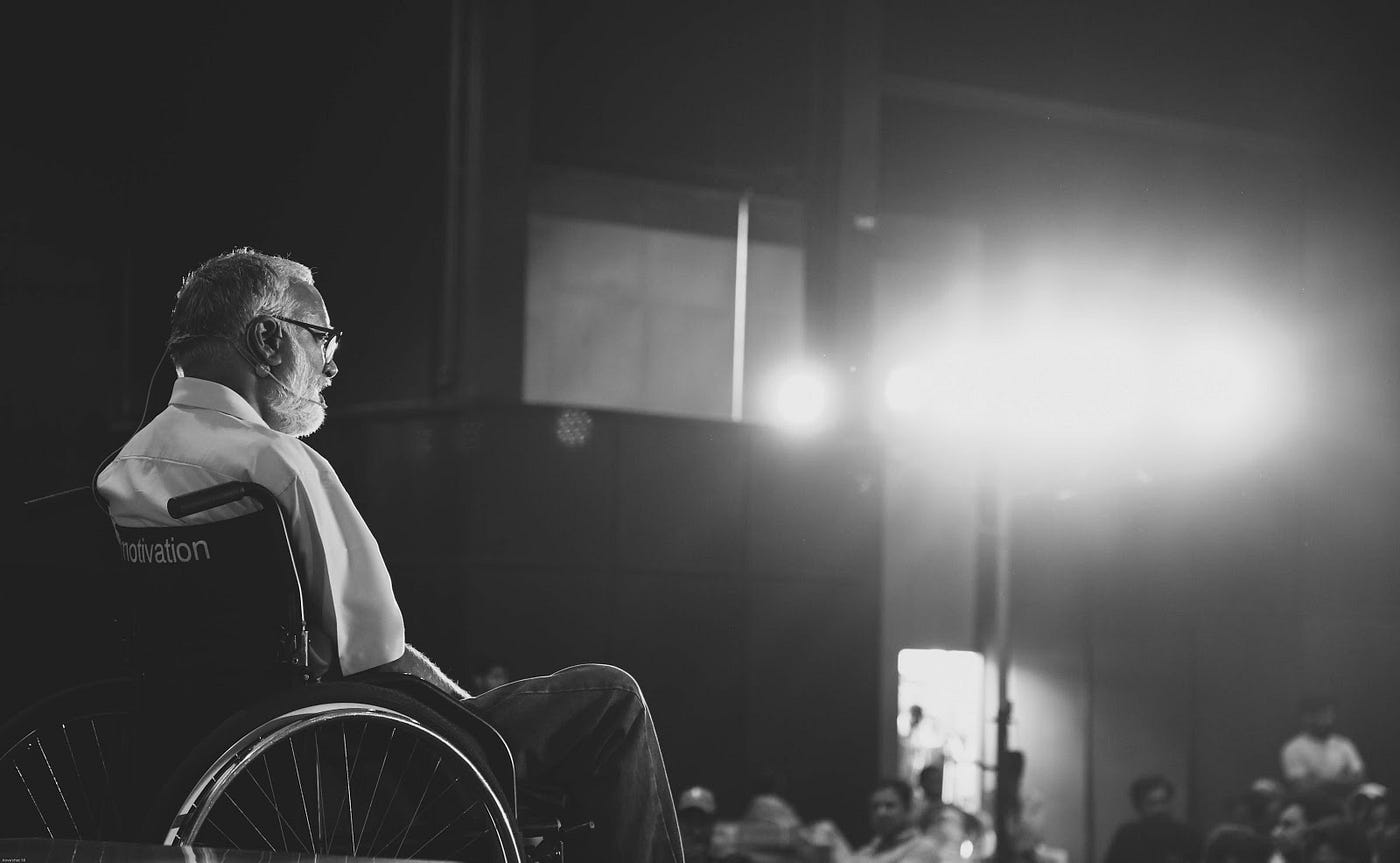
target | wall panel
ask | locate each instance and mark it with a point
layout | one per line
(682, 496)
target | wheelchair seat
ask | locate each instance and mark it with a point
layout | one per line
(226, 737)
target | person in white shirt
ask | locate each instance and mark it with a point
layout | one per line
(1318, 760)
(896, 839)
(254, 348)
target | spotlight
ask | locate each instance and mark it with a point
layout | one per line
(906, 389)
(1221, 391)
(799, 399)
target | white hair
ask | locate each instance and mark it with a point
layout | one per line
(218, 300)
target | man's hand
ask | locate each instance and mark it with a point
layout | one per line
(414, 662)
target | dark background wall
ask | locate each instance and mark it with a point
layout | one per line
(142, 140)
(734, 576)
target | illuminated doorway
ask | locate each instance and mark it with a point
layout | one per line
(941, 720)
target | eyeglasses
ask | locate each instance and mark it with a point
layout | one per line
(330, 339)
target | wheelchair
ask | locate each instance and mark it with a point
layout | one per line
(224, 739)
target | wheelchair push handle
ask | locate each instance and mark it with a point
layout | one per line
(186, 505)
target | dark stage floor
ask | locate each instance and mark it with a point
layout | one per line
(79, 851)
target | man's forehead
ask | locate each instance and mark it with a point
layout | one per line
(311, 300)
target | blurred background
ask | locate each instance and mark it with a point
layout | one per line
(709, 340)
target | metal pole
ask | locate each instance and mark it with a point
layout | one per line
(1005, 849)
(741, 308)
(445, 374)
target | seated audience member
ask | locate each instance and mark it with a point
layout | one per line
(955, 833)
(1257, 808)
(895, 840)
(1389, 851)
(1266, 796)
(770, 830)
(929, 796)
(1368, 807)
(1333, 840)
(1235, 843)
(768, 803)
(698, 814)
(1155, 837)
(1318, 760)
(1297, 815)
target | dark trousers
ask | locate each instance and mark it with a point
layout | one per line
(587, 731)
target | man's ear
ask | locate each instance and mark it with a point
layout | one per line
(265, 341)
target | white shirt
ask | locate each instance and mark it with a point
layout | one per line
(1309, 760)
(210, 435)
(909, 847)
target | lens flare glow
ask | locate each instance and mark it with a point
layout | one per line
(1222, 390)
(800, 399)
(1055, 384)
(906, 389)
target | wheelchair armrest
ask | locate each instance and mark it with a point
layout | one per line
(186, 505)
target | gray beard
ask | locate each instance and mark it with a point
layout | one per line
(295, 408)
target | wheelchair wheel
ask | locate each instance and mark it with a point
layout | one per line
(63, 770)
(345, 769)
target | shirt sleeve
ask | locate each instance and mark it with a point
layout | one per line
(345, 574)
(1353, 758)
(1294, 764)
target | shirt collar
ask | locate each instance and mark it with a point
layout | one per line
(198, 393)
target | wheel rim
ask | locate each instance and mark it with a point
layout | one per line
(65, 780)
(348, 779)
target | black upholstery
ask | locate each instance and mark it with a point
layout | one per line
(215, 598)
(217, 623)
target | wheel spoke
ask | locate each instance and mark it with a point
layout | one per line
(413, 819)
(364, 825)
(282, 823)
(441, 794)
(320, 800)
(348, 801)
(58, 786)
(445, 827)
(108, 798)
(251, 822)
(301, 792)
(228, 840)
(389, 804)
(272, 787)
(78, 774)
(37, 808)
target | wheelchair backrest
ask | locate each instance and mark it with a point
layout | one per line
(219, 598)
(217, 623)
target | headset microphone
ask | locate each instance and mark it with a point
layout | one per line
(294, 394)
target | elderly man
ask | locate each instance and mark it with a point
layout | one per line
(254, 347)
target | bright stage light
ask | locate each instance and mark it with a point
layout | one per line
(800, 399)
(1071, 384)
(1055, 384)
(1222, 390)
(906, 389)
